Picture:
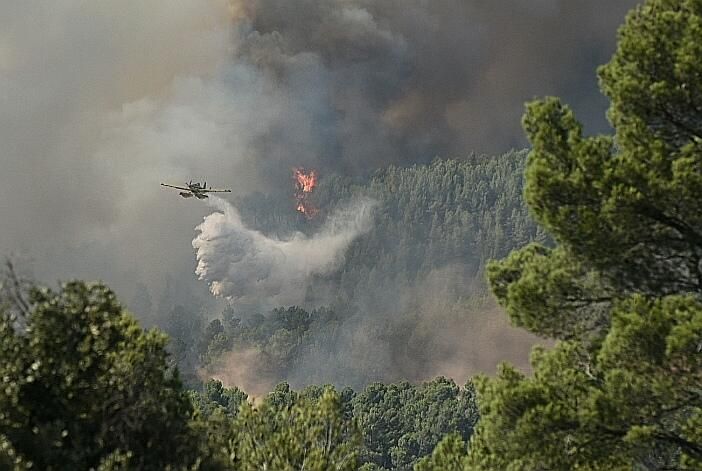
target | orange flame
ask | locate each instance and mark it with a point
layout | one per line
(305, 182)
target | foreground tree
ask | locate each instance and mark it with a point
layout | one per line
(401, 422)
(636, 402)
(302, 433)
(84, 387)
(622, 289)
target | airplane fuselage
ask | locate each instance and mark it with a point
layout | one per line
(198, 190)
(191, 193)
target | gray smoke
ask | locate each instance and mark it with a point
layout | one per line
(413, 332)
(80, 161)
(246, 266)
(401, 81)
(101, 101)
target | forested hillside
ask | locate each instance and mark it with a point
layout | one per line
(429, 216)
(392, 309)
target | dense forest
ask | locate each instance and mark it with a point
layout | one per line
(398, 423)
(611, 276)
(434, 229)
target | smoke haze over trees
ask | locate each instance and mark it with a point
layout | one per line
(101, 103)
(407, 301)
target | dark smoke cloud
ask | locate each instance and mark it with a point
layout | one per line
(401, 81)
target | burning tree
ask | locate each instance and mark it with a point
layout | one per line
(305, 183)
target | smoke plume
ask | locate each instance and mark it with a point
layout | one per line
(401, 81)
(244, 265)
(245, 368)
(101, 101)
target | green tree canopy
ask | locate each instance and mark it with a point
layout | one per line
(84, 386)
(624, 210)
(637, 401)
(290, 435)
(622, 287)
(401, 422)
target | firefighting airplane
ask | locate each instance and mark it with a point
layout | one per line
(196, 189)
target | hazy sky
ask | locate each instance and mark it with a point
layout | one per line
(100, 101)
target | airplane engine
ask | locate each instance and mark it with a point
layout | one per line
(201, 196)
(186, 194)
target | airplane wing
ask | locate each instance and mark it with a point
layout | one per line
(178, 187)
(216, 191)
